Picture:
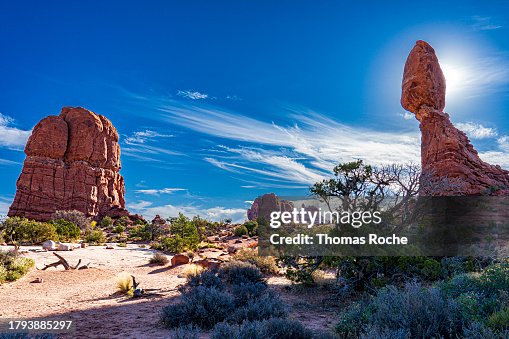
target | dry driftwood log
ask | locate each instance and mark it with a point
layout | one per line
(64, 263)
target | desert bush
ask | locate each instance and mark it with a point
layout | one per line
(207, 278)
(13, 266)
(261, 307)
(237, 272)
(186, 332)
(125, 284)
(269, 329)
(76, 217)
(66, 230)
(28, 231)
(499, 320)
(252, 227)
(201, 306)
(96, 237)
(106, 222)
(240, 231)
(421, 312)
(119, 229)
(159, 259)
(122, 244)
(248, 291)
(140, 232)
(266, 264)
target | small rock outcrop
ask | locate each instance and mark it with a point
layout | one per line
(72, 163)
(449, 161)
(267, 203)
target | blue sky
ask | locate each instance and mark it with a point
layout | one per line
(219, 102)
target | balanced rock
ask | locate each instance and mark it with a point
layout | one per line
(72, 163)
(450, 164)
(267, 203)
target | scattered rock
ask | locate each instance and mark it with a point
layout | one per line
(72, 163)
(450, 164)
(179, 259)
(84, 245)
(65, 247)
(110, 247)
(245, 236)
(49, 245)
(238, 241)
(37, 281)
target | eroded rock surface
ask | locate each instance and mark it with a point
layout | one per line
(72, 163)
(267, 203)
(450, 164)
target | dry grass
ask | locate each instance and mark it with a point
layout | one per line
(159, 259)
(192, 270)
(125, 284)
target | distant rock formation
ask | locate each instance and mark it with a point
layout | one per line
(72, 163)
(446, 152)
(267, 203)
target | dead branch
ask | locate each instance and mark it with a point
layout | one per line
(64, 263)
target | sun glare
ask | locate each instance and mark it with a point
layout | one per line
(454, 77)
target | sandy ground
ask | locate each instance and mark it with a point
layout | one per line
(89, 297)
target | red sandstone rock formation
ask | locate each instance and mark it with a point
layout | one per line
(446, 152)
(72, 163)
(267, 203)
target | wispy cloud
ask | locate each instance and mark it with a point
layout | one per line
(483, 23)
(153, 191)
(407, 116)
(140, 145)
(12, 137)
(477, 131)
(5, 203)
(193, 95)
(141, 137)
(149, 210)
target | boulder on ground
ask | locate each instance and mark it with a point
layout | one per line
(49, 245)
(65, 247)
(179, 259)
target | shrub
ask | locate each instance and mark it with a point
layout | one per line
(201, 306)
(106, 222)
(266, 264)
(119, 229)
(248, 291)
(237, 272)
(499, 320)
(159, 259)
(186, 332)
(125, 284)
(421, 312)
(263, 307)
(66, 230)
(122, 244)
(76, 217)
(241, 230)
(252, 227)
(95, 237)
(28, 231)
(184, 235)
(192, 270)
(207, 278)
(269, 329)
(13, 266)
(141, 232)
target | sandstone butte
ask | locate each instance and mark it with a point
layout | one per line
(265, 204)
(72, 163)
(450, 164)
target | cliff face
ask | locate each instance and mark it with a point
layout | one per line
(267, 203)
(72, 163)
(450, 164)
